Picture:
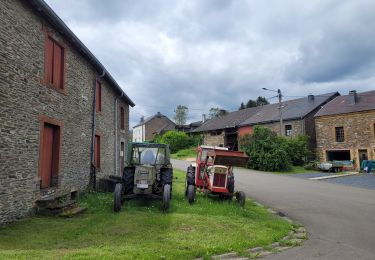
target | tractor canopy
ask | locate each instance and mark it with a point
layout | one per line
(228, 158)
(147, 154)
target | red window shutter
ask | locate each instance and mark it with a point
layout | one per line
(98, 102)
(122, 119)
(97, 151)
(48, 60)
(57, 65)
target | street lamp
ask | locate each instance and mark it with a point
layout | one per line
(279, 95)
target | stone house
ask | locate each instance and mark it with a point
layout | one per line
(345, 128)
(222, 130)
(298, 119)
(148, 128)
(62, 114)
(297, 114)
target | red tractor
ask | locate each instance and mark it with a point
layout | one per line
(213, 173)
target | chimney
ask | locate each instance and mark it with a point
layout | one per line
(354, 96)
(204, 118)
(142, 119)
(158, 114)
(310, 98)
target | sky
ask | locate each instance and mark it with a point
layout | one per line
(219, 53)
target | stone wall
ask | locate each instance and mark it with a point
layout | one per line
(297, 127)
(154, 125)
(24, 99)
(358, 131)
(214, 140)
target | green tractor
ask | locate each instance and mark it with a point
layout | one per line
(148, 174)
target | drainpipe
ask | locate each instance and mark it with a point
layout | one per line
(92, 168)
(116, 130)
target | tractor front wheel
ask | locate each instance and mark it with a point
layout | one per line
(117, 197)
(191, 193)
(166, 196)
(241, 198)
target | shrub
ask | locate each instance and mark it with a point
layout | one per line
(266, 150)
(176, 140)
(298, 150)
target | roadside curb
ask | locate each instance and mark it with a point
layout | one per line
(295, 237)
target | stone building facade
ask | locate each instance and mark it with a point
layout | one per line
(214, 138)
(148, 128)
(39, 120)
(345, 130)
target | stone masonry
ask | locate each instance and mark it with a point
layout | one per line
(358, 130)
(24, 99)
(214, 140)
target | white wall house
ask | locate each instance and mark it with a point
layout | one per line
(139, 133)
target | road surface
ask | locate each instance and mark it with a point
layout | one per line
(340, 220)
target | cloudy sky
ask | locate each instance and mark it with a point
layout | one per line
(219, 53)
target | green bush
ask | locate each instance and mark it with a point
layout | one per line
(269, 152)
(266, 150)
(176, 140)
(298, 150)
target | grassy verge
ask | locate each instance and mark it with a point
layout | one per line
(185, 153)
(296, 170)
(142, 231)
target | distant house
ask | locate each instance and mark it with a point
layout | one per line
(222, 131)
(149, 127)
(297, 115)
(298, 119)
(189, 127)
(345, 128)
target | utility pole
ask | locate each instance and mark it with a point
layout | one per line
(279, 95)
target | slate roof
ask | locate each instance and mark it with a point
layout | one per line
(45, 11)
(229, 120)
(292, 109)
(148, 119)
(345, 104)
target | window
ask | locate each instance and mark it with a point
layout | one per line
(288, 130)
(339, 131)
(54, 63)
(98, 96)
(97, 151)
(122, 118)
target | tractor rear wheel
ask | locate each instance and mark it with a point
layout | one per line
(241, 198)
(191, 193)
(117, 197)
(166, 196)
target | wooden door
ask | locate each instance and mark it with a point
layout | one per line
(122, 154)
(47, 154)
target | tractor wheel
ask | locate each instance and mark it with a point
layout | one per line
(191, 193)
(129, 179)
(117, 197)
(241, 198)
(166, 196)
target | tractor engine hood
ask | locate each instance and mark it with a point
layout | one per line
(228, 158)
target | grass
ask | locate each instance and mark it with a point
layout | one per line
(142, 231)
(185, 153)
(296, 170)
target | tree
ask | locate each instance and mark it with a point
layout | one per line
(181, 114)
(242, 106)
(261, 101)
(216, 112)
(251, 103)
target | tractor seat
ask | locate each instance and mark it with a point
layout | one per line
(148, 157)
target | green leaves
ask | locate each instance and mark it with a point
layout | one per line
(269, 152)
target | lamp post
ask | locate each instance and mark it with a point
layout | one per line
(279, 95)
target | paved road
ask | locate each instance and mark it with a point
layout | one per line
(340, 220)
